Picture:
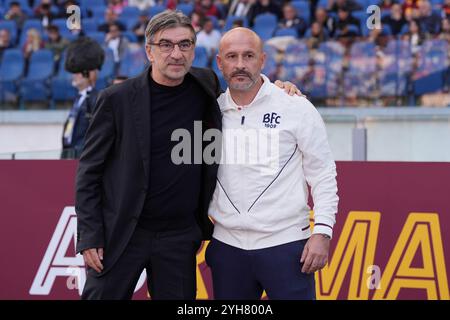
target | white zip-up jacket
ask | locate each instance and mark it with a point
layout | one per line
(261, 195)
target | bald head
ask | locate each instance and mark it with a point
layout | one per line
(240, 35)
(241, 59)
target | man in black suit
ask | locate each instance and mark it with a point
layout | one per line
(136, 209)
(80, 114)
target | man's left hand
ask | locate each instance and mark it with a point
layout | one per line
(315, 253)
(289, 88)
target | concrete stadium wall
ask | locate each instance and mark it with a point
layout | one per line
(393, 134)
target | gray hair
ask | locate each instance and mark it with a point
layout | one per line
(166, 20)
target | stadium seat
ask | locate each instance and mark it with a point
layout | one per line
(89, 25)
(302, 8)
(265, 25)
(61, 84)
(35, 86)
(328, 65)
(106, 73)
(270, 67)
(215, 68)
(433, 65)
(133, 63)
(63, 30)
(396, 66)
(360, 80)
(286, 32)
(201, 57)
(295, 64)
(12, 68)
(11, 27)
(97, 36)
(153, 11)
(186, 8)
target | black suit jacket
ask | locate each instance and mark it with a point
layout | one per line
(113, 171)
(82, 116)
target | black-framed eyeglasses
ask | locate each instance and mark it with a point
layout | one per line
(168, 46)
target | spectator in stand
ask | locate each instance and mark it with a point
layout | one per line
(16, 14)
(110, 19)
(415, 36)
(345, 19)
(430, 21)
(197, 21)
(445, 30)
(117, 43)
(171, 4)
(32, 43)
(139, 27)
(239, 8)
(292, 20)
(386, 4)
(446, 8)
(263, 6)
(350, 5)
(43, 13)
(56, 43)
(207, 8)
(409, 5)
(209, 38)
(328, 24)
(116, 6)
(395, 20)
(141, 4)
(5, 41)
(238, 23)
(318, 35)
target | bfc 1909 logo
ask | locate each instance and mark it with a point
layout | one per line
(271, 120)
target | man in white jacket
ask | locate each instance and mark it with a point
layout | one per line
(262, 238)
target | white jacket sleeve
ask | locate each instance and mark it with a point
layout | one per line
(319, 168)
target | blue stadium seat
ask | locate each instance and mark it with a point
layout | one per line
(270, 67)
(433, 65)
(186, 8)
(11, 27)
(302, 8)
(89, 25)
(296, 64)
(11, 70)
(98, 13)
(286, 32)
(265, 25)
(133, 63)
(130, 36)
(328, 65)
(396, 65)
(360, 80)
(215, 68)
(92, 3)
(63, 30)
(61, 84)
(97, 36)
(201, 57)
(23, 4)
(35, 86)
(106, 73)
(153, 11)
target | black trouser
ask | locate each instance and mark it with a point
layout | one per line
(169, 259)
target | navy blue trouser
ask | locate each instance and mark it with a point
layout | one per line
(244, 274)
